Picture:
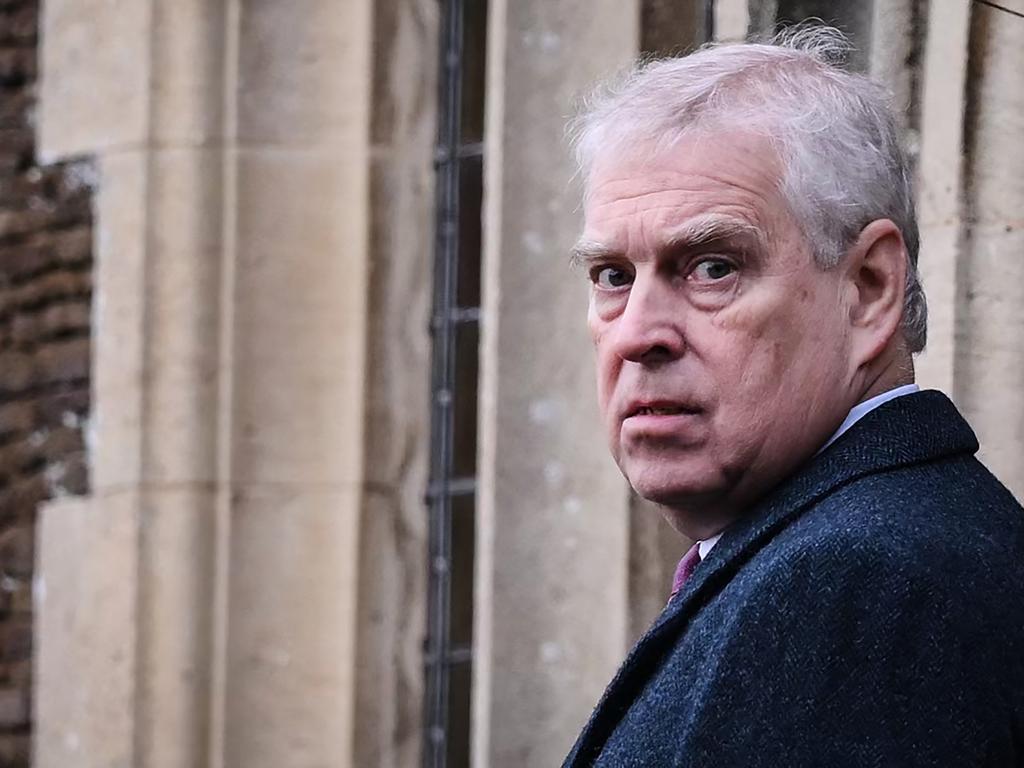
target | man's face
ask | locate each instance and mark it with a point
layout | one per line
(722, 349)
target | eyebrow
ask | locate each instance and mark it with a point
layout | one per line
(695, 233)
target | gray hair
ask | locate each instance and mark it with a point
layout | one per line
(834, 132)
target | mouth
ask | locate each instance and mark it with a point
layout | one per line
(659, 409)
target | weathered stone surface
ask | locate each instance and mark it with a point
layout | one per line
(288, 249)
(941, 186)
(291, 642)
(93, 96)
(392, 603)
(86, 632)
(732, 19)
(989, 356)
(549, 494)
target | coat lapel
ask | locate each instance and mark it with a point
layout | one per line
(907, 430)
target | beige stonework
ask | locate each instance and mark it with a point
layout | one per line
(210, 582)
(940, 187)
(552, 579)
(989, 355)
(732, 20)
(85, 632)
(290, 649)
(245, 587)
(94, 97)
(392, 595)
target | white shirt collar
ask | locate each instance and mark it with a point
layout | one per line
(705, 547)
(857, 413)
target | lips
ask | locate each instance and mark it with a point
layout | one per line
(658, 408)
(670, 410)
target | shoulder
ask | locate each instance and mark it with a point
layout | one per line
(916, 551)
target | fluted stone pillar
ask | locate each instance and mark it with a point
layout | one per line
(940, 186)
(199, 608)
(553, 509)
(989, 353)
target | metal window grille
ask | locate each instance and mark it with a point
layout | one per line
(451, 495)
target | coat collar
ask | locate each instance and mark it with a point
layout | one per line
(908, 430)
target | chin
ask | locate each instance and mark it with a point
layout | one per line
(679, 487)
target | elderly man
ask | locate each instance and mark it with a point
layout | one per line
(856, 596)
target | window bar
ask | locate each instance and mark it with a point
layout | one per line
(443, 328)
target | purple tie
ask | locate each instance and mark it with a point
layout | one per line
(685, 568)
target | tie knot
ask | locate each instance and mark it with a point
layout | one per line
(686, 567)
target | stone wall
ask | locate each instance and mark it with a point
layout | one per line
(45, 287)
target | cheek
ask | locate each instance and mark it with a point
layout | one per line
(606, 369)
(756, 345)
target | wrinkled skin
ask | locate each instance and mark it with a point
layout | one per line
(725, 356)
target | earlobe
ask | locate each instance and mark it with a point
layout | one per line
(877, 268)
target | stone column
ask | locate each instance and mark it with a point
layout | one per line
(891, 57)
(298, 252)
(989, 354)
(553, 509)
(199, 609)
(392, 582)
(940, 186)
(124, 613)
(732, 20)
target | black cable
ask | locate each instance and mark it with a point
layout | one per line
(1000, 7)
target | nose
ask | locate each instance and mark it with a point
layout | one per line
(649, 330)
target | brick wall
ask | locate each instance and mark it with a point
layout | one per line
(45, 287)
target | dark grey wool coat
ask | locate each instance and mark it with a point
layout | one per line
(868, 612)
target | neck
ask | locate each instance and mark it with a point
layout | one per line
(891, 370)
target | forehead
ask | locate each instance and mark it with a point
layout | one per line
(730, 175)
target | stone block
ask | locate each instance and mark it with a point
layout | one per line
(189, 46)
(183, 298)
(93, 97)
(118, 329)
(87, 562)
(291, 637)
(318, 96)
(390, 625)
(989, 362)
(177, 584)
(300, 317)
(943, 72)
(732, 19)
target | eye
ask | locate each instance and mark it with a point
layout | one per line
(609, 278)
(710, 270)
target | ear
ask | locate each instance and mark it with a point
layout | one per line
(876, 270)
